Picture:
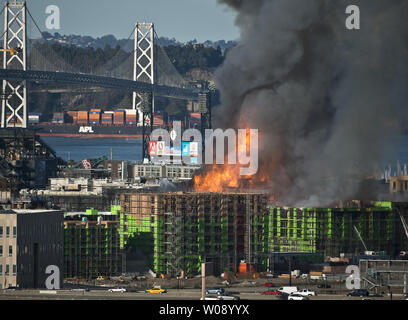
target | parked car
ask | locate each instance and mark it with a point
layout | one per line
(215, 291)
(358, 293)
(80, 289)
(324, 286)
(288, 290)
(117, 290)
(268, 284)
(227, 297)
(156, 290)
(272, 293)
(295, 296)
(306, 292)
(209, 298)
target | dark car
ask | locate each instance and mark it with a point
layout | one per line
(324, 286)
(358, 293)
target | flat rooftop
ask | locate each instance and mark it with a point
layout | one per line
(26, 211)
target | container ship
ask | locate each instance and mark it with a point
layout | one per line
(95, 123)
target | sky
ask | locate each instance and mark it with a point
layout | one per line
(184, 20)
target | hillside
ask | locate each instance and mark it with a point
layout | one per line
(195, 62)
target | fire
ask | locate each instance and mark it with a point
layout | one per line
(219, 178)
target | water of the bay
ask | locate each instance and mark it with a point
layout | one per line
(78, 149)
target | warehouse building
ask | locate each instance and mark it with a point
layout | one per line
(30, 240)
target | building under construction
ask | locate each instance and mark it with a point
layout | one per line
(92, 244)
(375, 226)
(179, 231)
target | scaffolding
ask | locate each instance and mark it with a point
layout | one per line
(332, 230)
(92, 245)
(179, 231)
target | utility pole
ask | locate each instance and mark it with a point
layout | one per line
(290, 271)
(203, 281)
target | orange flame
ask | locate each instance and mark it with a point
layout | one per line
(219, 178)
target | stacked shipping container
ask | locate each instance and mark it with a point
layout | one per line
(82, 117)
(131, 117)
(34, 118)
(94, 116)
(107, 118)
(195, 120)
(118, 117)
(58, 117)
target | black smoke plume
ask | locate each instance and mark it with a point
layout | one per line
(327, 101)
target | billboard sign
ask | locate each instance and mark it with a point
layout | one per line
(160, 148)
(185, 149)
(193, 149)
(153, 148)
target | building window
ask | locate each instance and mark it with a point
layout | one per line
(1, 269)
(14, 232)
(1, 232)
(1, 251)
(14, 269)
(7, 270)
(8, 232)
(10, 251)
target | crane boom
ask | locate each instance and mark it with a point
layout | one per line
(361, 239)
(404, 223)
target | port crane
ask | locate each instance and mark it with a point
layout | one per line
(12, 51)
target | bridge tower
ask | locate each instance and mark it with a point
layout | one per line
(144, 70)
(144, 62)
(14, 93)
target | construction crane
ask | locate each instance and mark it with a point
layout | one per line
(12, 51)
(404, 224)
(361, 239)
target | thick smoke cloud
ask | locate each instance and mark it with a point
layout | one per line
(327, 101)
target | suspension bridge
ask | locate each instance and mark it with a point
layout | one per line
(146, 71)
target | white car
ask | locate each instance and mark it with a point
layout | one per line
(306, 292)
(295, 296)
(209, 298)
(227, 297)
(117, 290)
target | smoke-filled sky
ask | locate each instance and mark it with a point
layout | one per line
(327, 101)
